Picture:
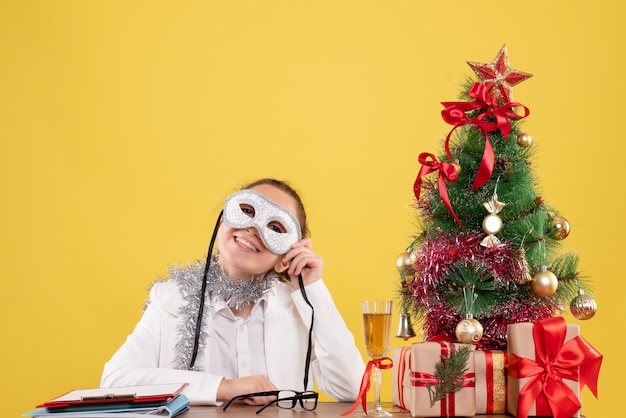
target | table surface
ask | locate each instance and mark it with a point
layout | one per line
(324, 409)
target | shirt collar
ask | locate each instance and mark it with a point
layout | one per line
(219, 304)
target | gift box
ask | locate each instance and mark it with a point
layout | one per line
(548, 365)
(490, 366)
(401, 386)
(424, 357)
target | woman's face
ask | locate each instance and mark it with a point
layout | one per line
(242, 252)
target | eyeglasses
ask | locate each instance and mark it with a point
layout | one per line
(285, 399)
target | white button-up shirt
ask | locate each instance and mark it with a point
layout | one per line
(236, 344)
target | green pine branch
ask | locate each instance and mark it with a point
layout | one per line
(470, 289)
(448, 373)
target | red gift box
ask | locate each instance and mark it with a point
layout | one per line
(490, 368)
(548, 364)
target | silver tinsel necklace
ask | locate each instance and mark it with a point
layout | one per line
(235, 293)
(238, 293)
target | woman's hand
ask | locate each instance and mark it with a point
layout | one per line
(303, 260)
(229, 388)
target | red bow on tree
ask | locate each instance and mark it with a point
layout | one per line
(455, 114)
(554, 361)
(447, 172)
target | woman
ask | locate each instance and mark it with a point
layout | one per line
(253, 328)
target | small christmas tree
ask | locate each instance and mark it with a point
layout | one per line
(487, 252)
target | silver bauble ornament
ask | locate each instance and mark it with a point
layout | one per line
(469, 331)
(583, 306)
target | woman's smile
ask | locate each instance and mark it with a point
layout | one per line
(246, 244)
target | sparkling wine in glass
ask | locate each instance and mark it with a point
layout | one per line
(377, 329)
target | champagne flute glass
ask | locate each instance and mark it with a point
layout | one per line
(376, 329)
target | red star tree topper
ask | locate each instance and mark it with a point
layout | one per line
(498, 76)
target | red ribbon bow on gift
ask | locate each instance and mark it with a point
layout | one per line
(382, 363)
(455, 114)
(575, 360)
(447, 172)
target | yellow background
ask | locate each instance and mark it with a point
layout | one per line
(124, 125)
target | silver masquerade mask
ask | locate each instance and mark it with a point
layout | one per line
(278, 228)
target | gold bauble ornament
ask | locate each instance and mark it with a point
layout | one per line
(469, 331)
(405, 261)
(544, 283)
(583, 306)
(524, 140)
(559, 228)
(492, 224)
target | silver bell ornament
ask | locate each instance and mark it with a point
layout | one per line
(405, 327)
